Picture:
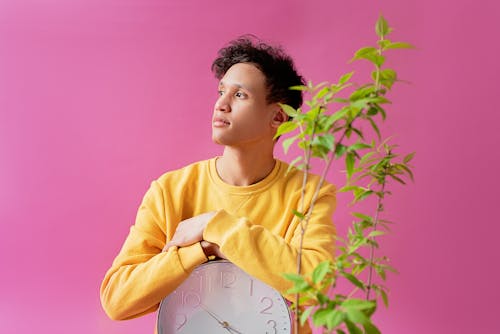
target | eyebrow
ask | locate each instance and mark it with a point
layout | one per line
(221, 83)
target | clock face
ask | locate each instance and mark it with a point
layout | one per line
(219, 297)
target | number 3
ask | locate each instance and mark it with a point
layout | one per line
(274, 326)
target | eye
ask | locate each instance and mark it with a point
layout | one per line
(220, 92)
(240, 95)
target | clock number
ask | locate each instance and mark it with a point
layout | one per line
(191, 299)
(209, 284)
(273, 326)
(228, 278)
(268, 303)
(180, 321)
(201, 283)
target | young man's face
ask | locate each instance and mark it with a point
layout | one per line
(242, 115)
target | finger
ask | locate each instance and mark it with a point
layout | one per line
(169, 244)
(178, 243)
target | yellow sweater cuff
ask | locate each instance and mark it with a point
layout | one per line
(219, 227)
(191, 256)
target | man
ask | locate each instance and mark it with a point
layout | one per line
(238, 206)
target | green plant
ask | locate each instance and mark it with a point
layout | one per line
(331, 129)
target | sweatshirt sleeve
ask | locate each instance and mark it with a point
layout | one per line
(141, 275)
(266, 255)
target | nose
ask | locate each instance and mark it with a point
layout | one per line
(222, 104)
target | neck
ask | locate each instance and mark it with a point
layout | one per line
(243, 167)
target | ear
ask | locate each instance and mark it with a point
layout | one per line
(279, 117)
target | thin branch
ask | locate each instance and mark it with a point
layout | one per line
(372, 247)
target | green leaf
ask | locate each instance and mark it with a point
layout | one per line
(285, 128)
(299, 283)
(399, 45)
(346, 77)
(321, 84)
(362, 92)
(365, 52)
(322, 92)
(365, 158)
(320, 272)
(361, 103)
(385, 298)
(313, 113)
(377, 60)
(357, 316)
(387, 77)
(406, 169)
(320, 317)
(339, 331)
(381, 27)
(372, 111)
(388, 74)
(337, 115)
(358, 146)
(293, 163)
(326, 140)
(381, 272)
(299, 288)
(287, 142)
(300, 87)
(322, 298)
(362, 216)
(298, 214)
(358, 304)
(340, 150)
(371, 329)
(289, 110)
(340, 100)
(352, 328)
(349, 164)
(295, 278)
(348, 188)
(383, 43)
(408, 158)
(335, 319)
(361, 196)
(397, 179)
(305, 315)
(353, 280)
(375, 128)
(382, 112)
(375, 234)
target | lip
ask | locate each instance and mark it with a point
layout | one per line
(220, 122)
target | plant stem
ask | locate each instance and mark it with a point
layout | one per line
(305, 221)
(372, 247)
(306, 174)
(303, 226)
(377, 76)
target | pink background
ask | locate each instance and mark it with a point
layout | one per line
(99, 97)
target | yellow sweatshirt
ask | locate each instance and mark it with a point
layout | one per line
(254, 227)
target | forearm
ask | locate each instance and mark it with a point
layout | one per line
(266, 255)
(137, 281)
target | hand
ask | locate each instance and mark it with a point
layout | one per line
(190, 231)
(224, 324)
(211, 249)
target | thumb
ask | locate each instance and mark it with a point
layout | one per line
(167, 246)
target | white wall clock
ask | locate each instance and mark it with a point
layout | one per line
(219, 297)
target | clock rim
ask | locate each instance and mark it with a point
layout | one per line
(212, 262)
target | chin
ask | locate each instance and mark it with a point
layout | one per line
(217, 140)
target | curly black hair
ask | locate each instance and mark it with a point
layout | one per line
(272, 61)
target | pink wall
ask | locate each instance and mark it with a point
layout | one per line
(99, 97)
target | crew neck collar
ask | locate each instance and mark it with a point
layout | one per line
(259, 186)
